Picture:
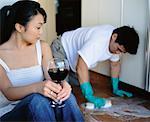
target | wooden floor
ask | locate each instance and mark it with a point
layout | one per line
(102, 88)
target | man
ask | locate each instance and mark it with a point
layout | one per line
(86, 46)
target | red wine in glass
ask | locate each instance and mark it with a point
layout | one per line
(58, 74)
(58, 70)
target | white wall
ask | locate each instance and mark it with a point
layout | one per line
(6, 2)
(118, 13)
(133, 67)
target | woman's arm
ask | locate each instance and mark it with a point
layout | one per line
(13, 93)
(46, 56)
(17, 93)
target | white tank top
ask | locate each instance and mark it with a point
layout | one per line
(21, 77)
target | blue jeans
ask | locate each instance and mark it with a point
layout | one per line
(37, 108)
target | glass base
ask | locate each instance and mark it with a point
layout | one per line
(57, 104)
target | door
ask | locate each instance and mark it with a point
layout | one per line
(147, 86)
(68, 16)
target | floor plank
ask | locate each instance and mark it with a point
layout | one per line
(102, 88)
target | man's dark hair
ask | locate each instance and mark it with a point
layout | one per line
(127, 37)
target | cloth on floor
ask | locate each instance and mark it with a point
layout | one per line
(124, 109)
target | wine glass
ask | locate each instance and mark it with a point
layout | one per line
(58, 70)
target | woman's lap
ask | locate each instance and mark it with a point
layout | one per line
(36, 107)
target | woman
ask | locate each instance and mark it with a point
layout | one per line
(25, 94)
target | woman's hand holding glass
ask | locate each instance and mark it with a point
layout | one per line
(58, 70)
(56, 91)
(49, 89)
(65, 92)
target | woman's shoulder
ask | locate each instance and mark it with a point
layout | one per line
(3, 49)
(4, 46)
(45, 46)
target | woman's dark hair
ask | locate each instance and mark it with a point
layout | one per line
(20, 12)
(127, 37)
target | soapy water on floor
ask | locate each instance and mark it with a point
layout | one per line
(124, 109)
